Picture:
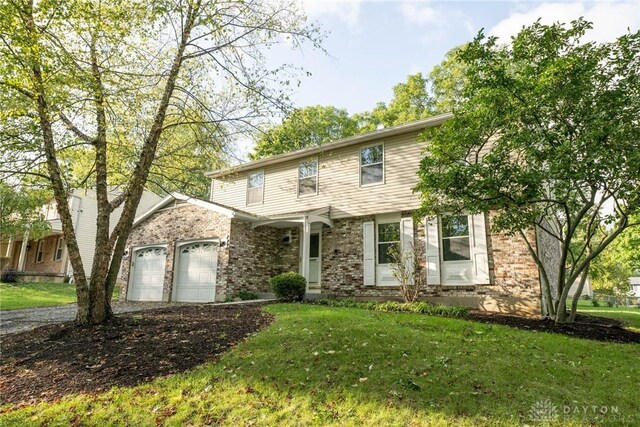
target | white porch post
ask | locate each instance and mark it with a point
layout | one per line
(306, 245)
(23, 251)
(9, 253)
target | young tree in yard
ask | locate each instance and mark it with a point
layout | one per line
(408, 271)
(548, 137)
(110, 74)
(305, 127)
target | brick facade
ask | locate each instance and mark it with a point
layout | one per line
(253, 255)
(48, 264)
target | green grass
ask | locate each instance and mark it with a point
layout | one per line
(27, 295)
(320, 365)
(629, 315)
(14, 296)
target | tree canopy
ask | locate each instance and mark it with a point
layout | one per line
(132, 92)
(305, 127)
(547, 137)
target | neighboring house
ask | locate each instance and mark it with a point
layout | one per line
(46, 259)
(634, 283)
(330, 213)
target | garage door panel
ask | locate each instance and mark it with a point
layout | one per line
(148, 274)
(196, 276)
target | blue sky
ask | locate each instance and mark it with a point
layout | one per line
(375, 44)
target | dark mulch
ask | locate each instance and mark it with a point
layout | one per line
(589, 327)
(51, 362)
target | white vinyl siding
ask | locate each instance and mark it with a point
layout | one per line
(308, 178)
(255, 188)
(338, 186)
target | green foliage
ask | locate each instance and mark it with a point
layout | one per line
(411, 101)
(547, 134)
(8, 275)
(447, 81)
(305, 127)
(21, 210)
(420, 307)
(595, 302)
(289, 286)
(242, 295)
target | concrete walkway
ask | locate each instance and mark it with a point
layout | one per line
(12, 321)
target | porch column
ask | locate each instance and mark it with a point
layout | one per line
(306, 245)
(9, 253)
(23, 251)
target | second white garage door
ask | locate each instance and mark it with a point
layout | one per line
(196, 276)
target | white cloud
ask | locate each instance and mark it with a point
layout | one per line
(346, 10)
(610, 19)
(437, 23)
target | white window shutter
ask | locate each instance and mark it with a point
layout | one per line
(479, 250)
(369, 244)
(406, 241)
(432, 250)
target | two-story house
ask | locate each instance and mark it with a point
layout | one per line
(46, 259)
(331, 213)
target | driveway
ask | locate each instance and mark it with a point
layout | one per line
(12, 321)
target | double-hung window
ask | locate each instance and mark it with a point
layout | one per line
(255, 187)
(455, 238)
(372, 164)
(308, 178)
(57, 254)
(40, 251)
(388, 238)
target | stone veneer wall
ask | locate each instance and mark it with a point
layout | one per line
(514, 286)
(169, 227)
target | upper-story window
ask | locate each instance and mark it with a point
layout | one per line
(372, 164)
(455, 238)
(51, 211)
(308, 178)
(255, 187)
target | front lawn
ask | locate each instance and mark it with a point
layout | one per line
(14, 296)
(27, 295)
(629, 315)
(343, 366)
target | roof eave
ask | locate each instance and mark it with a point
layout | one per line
(353, 140)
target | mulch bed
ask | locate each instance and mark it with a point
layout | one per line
(589, 327)
(53, 361)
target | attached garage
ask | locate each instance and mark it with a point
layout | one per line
(147, 277)
(195, 279)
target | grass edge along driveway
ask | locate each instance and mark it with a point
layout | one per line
(14, 296)
(322, 366)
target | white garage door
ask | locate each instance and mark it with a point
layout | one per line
(148, 274)
(196, 279)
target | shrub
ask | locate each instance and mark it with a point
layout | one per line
(9, 275)
(289, 286)
(242, 296)
(595, 302)
(420, 307)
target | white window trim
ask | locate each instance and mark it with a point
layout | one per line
(246, 194)
(59, 247)
(441, 238)
(38, 247)
(317, 175)
(384, 175)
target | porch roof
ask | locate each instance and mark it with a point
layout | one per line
(295, 219)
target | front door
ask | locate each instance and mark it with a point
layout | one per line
(315, 259)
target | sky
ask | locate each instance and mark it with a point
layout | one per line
(373, 45)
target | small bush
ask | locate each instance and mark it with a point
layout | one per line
(420, 307)
(9, 275)
(242, 296)
(289, 286)
(595, 303)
